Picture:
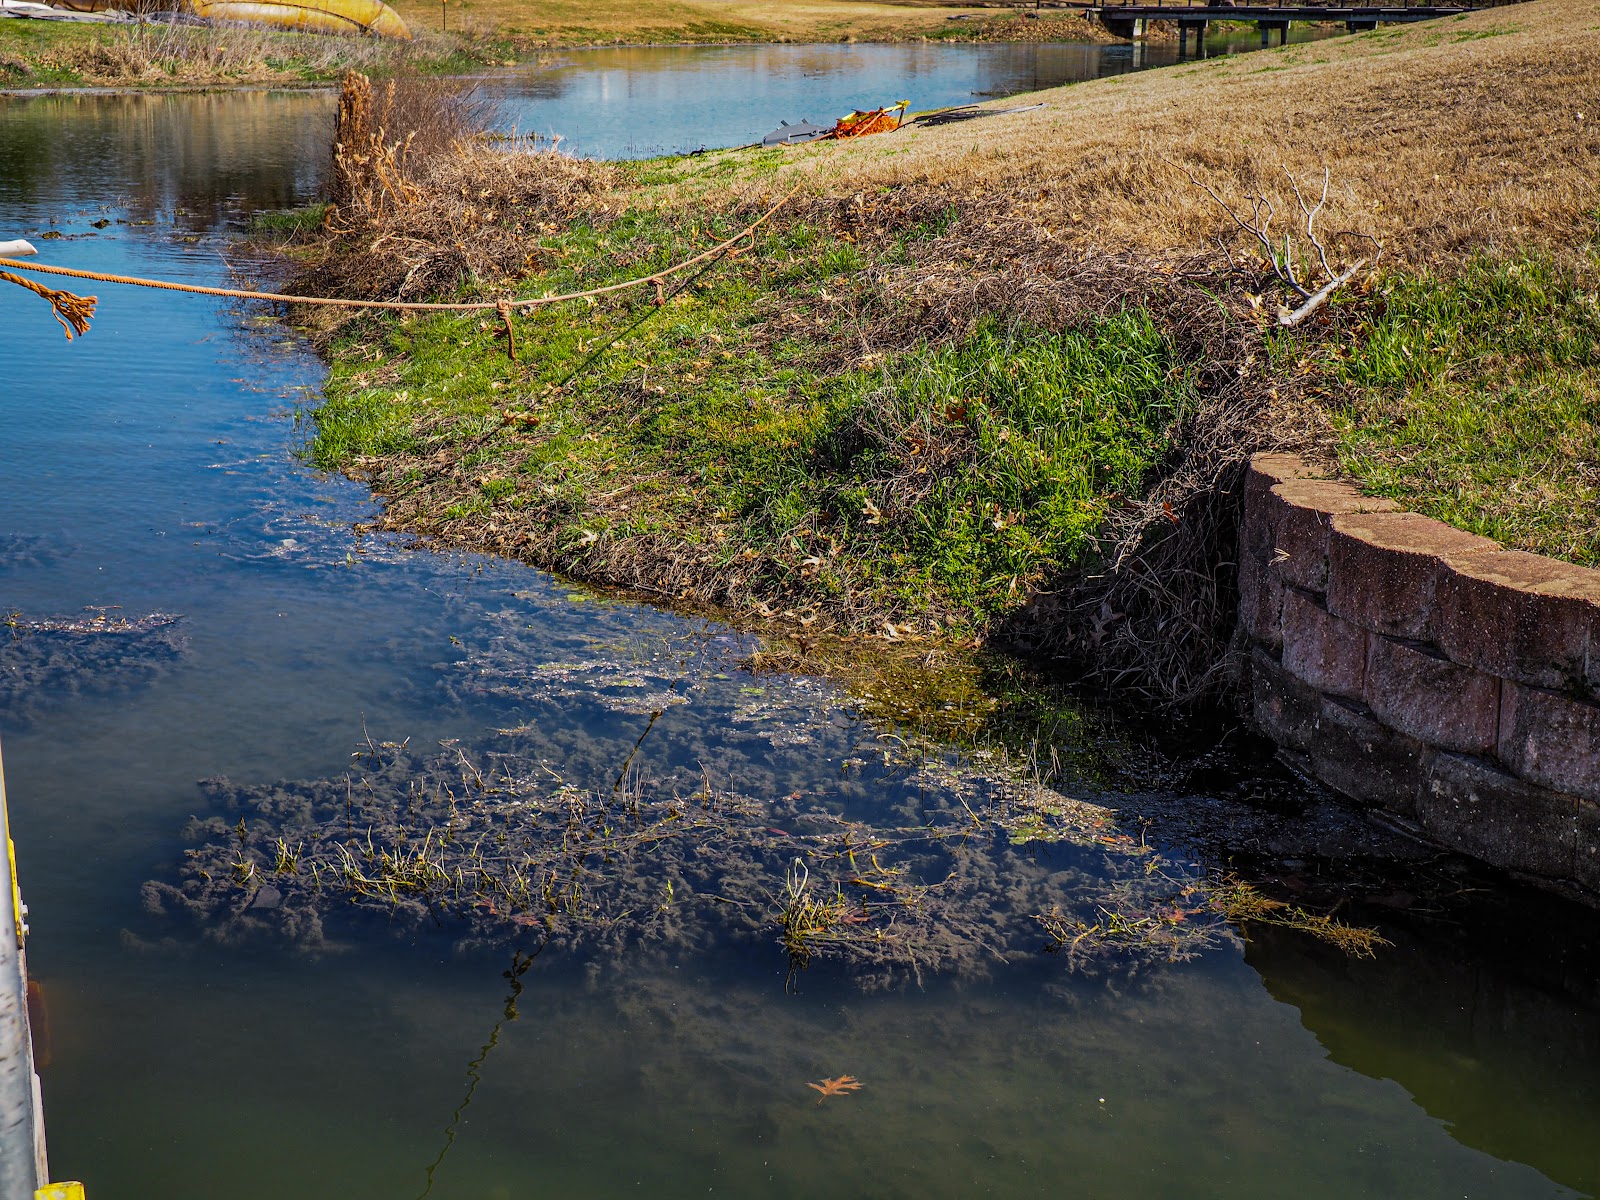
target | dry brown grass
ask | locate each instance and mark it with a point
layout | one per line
(1033, 26)
(1440, 137)
(587, 22)
(166, 55)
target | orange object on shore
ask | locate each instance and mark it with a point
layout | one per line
(877, 120)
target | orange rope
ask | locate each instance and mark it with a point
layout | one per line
(400, 305)
(71, 312)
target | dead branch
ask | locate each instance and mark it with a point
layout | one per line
(1281, 258)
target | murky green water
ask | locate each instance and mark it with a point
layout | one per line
(150, 469)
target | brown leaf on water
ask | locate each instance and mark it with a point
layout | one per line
(842, 1086)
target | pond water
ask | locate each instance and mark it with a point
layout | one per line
(150, 476)
(634, 102)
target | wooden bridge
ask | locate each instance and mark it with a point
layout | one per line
(1130, 20)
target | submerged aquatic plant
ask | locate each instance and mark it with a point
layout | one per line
(499, 850)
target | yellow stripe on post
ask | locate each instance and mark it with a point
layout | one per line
(60, 1191)
(16, 890)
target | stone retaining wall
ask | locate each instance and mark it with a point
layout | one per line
(1425, 671)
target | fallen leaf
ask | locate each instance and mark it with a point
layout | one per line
(842, 1086)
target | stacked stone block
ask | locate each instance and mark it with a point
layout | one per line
(1426, 671)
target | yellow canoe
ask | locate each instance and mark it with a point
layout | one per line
(308, 16)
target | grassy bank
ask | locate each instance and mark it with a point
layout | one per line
(753, 442)
(995, 379)
(1475, 398)
(46, 54)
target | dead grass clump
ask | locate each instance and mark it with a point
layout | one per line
(12, 64)
(1044, 27)
(420, 207)
(384, 135)
(1240, 901)
(1169, 927)
(163, 52)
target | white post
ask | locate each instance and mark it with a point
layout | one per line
(22, 1162)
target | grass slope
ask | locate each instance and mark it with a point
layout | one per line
(44, 54)
(751, 449)
(536, 23)
(1476, 399)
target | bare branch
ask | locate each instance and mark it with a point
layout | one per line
(1311, 218)
(1281, 260)
(1290, 319)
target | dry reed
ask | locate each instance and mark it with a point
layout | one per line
(420, 206)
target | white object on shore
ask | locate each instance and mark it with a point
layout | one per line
(16, 249)
(44, 12)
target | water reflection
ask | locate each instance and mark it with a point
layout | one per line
(1481, 1049)
(212, 157)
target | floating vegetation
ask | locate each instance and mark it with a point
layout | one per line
(1125, 920)
(1242, 901)
(44, 661)
(948, 875)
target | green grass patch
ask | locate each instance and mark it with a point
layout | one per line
(286, 222)
(754, 423)
(1476, 400)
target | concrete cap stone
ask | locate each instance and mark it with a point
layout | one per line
(1532, 619)
(1278, 467)
(1298, 517)
(1384, 567)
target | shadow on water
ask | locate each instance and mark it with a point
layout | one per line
(1483, 1036)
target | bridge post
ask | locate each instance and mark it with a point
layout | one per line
(1130, 28)
(1360, 26)
(1267, 27)
(1198, 28)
